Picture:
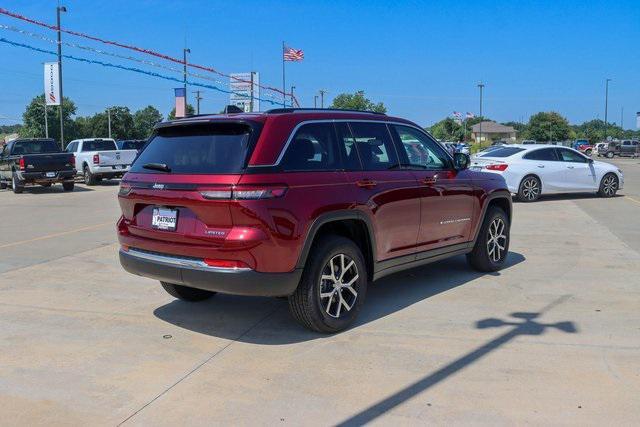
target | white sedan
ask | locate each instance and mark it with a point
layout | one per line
(533, 170)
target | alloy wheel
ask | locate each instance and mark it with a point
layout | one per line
(530, 189)
(338, 292)
(609, 185)
(496, 240)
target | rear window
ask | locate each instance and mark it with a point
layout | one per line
(503, 152)
(99, 145)
(35, 147)
(220, 148)
(132, 145)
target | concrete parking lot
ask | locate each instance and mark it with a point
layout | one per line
(554, 338)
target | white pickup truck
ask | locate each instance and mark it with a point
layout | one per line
(98, 158)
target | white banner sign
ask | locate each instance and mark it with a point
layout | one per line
(241, 96)
(51, 87)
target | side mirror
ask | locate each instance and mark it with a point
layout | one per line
(590, 160)
(461, 161)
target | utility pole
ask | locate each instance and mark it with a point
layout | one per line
(481, 86)
(292, 105)
(198, 98)
(606, 106)
(622, 118)
(253, 73)
(46, 121)
(322, 92)
(109, 120)
(315, 101)
(184, 56)
(58, 10)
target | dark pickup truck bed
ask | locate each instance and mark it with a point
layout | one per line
(35, 161)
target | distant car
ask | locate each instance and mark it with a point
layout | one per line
(626, 148)
(528, 141)
(463, 148)
(131, 144)
(533, 170)
(450, 146)
(499, 142)
(98, 158)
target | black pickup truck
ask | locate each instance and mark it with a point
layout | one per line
(35, 161)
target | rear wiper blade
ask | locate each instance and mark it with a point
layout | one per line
(406, 165)
(157, 166)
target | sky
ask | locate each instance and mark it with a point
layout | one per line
(423, 59)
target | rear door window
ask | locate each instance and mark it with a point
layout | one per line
(571, 156)
(218, 148)
(374, 145)
(312, 148)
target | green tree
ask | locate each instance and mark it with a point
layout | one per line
(33, 119)
(190, 111)
(357, 101)
(121, 124)
(447, 130)
(144, 120)
(549, 126)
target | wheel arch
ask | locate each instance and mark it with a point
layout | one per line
(501, 199)
(350, 224)
(535, 175)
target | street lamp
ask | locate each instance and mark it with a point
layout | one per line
(60, 9)
(184, 54)
(606, 106)
(315, 101)
(481, 86)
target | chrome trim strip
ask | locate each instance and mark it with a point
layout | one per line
(176, 261)
(385, 122)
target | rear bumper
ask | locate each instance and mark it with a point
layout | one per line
(41, 177)
(110, 170)
(194, 273)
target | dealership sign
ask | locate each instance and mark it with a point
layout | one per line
(241, 94)
(51, 83)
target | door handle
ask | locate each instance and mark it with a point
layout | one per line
(569, 167)
(540, 166)
(366, 183)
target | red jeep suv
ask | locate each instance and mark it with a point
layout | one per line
(307, 204)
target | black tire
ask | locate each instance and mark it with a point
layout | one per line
(89, 178)
(68, 186)
(482, 258)
(328, 314)
(529, 189)
(588, 153)
(17, 185)
(610, 155)
(608, 185)
(186, 293)
(3, 185)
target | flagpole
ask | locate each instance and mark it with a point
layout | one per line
(284, 90)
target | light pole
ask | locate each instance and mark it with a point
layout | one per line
(198, 98)
(315, 101)
(606, 106)
(109, 120)
(292, 88)
(184, 55)
(481, 86)
(322, 92)
(58, 10)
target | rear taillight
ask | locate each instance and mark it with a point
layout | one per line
(125, 189)
(21, 164)
(242, 193)
(96, 159)
(501, 167)
(225, 263)
(73, 160)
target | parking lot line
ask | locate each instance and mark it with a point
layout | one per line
(51, 236)
(632, 199)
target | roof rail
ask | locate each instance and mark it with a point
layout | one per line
(305, 110)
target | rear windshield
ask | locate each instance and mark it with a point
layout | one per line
(503, 152)
(132, 145)
(220, 148)
(99, 145)
(35, 147)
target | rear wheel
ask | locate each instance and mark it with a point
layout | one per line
(608, 185)
(68, 186)
(492, 245)
(588, 152)
(610, 155)
(186, 293)
(3, 185)
(530, 189)
(16, 184)
(332, 288)
(89, 178)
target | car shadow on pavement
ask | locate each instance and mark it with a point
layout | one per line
(54, 189)
(267, 320)
(568, 196)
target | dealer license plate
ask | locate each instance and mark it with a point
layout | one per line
(50, 174)
(164, 219)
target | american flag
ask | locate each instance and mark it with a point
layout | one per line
(291, 54)
(470, 115)
(457, 114)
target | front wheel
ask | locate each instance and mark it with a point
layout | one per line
(333, 286)
(492, 245)
(610, 155)
(186, 293)
(588, 152)
(608, 185)
(530, 189)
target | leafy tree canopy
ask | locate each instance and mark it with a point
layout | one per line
(549, 126)
(357, 101)
(190, 111)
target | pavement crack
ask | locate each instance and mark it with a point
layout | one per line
(200, 365)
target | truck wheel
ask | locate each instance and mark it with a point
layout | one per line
(89, 178)
(492, 245)
(333, 286)
(186, 293)
(588, 152)
(68, 186)
(16, 185)
(530, 189)
(608, 185)
(3, 185)
(610, 155)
